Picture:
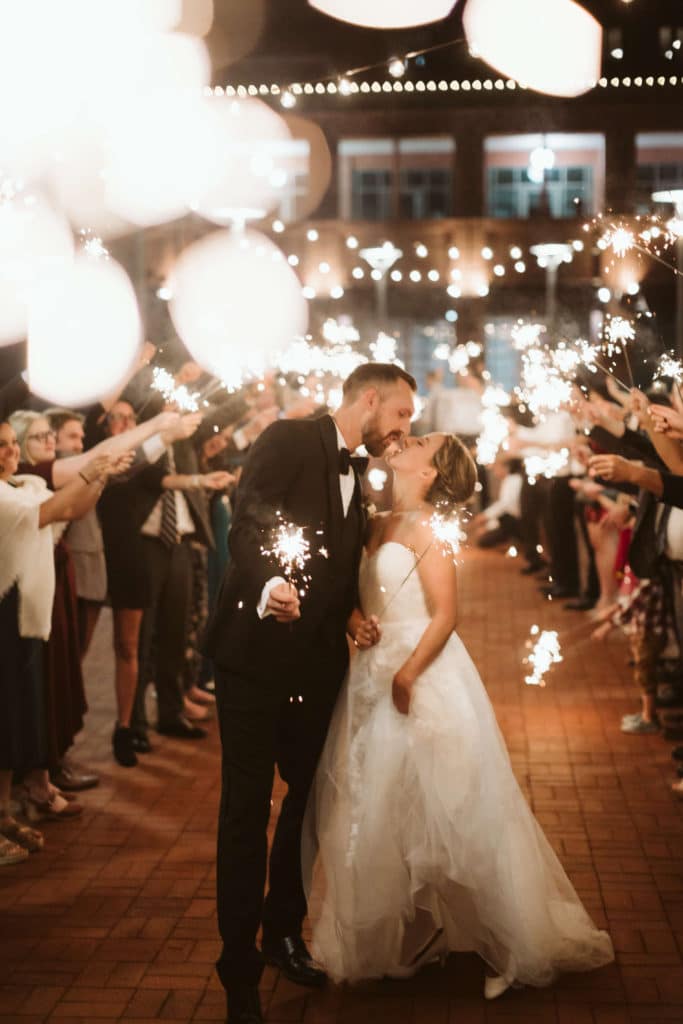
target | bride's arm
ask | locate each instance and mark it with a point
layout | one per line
(439, 580)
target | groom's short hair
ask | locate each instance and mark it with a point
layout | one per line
(375, 375)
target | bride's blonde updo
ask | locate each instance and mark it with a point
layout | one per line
(456, 474)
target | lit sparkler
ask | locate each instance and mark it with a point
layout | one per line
(543, 654)
(526, 336)
(670, 367)
(164, 383)
(495, 427)
(547, 466)
(447, 532)
(446, 526)
(384, 349)
(292, 551)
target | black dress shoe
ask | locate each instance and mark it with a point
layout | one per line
(677, 753)
(531, 568)
(582, 604)
(294, 960)
(244, 1006)
(141, 744)
(122, 744)
(182, 729)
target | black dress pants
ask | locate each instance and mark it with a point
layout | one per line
(261, 729)
(164, 631)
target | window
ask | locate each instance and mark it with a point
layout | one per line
(425, 194)
(411, 178)
(568, 192)
(659, 167)
(371, 195)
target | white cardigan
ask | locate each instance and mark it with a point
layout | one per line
(27, 553)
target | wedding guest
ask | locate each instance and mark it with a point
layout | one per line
(500, 522)
(29, 518)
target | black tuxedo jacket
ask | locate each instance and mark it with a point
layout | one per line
(293, 468)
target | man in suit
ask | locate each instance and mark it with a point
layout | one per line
(281, 656)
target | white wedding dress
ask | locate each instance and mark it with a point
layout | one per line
(419, 824)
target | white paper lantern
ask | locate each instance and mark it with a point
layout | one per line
(236, 303)
(247, 163)
(386, 13)
(35, 243)
(562, 59)
(84, 332)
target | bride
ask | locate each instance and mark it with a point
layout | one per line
(425, 840)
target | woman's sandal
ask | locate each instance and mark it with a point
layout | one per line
(29, 838)
(56, 808)
(10, 853)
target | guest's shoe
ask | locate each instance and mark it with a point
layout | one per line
(141, 744)
(295, 962)
(495, 987)
(677, 788)
(244, 1005)
(122, 745)
(669, 696)
(11, 853)
(28, 838)
(673, 731)
(55, 807)
(182, 729)
(677, 753)
(636, 725)
(72, 777)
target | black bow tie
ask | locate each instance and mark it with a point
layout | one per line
(347, 461)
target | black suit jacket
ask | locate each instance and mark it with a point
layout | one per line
(293, 468)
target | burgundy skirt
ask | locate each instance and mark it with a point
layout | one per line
(64, 690)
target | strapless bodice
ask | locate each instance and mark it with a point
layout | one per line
(389, 588)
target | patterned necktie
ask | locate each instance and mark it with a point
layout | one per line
(168, 531)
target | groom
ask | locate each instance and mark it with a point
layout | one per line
(281, 656)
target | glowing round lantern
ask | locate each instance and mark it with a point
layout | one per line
(562, 60)
(385, 13)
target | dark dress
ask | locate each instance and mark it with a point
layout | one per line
(23, 742)
(65, 701)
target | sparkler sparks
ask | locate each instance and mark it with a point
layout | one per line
(526, 336)
(547, 466)
(164, 383)
(446, 527)
(292, 551)
(495, 428)
(670, 367)
(544, 652)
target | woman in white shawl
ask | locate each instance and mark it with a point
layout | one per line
(29, 518)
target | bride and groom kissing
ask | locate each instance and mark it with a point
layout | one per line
(399, 788)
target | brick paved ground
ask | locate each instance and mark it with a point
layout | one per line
(114, 920)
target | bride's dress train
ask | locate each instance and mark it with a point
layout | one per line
(419, 821)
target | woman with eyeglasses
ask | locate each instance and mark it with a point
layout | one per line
(30, 518)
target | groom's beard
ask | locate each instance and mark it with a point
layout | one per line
(377, 443)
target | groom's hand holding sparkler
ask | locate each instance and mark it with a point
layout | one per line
(283, 603)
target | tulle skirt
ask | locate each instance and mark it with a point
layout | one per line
(420, 827)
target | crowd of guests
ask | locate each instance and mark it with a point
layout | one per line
(125, 503)
(592, 497)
